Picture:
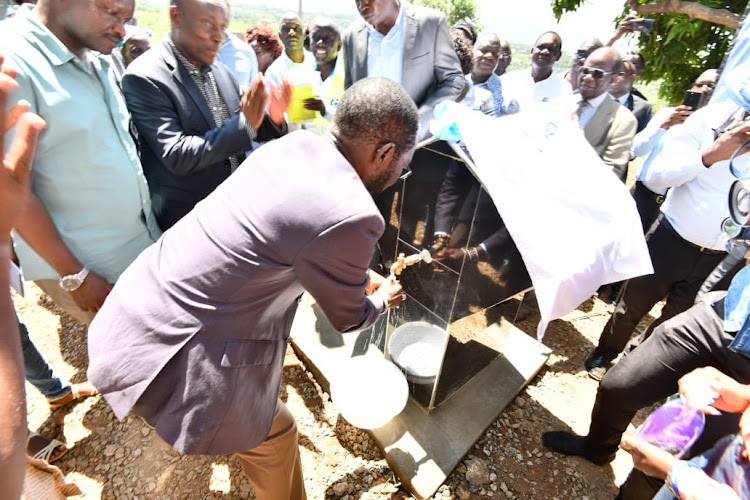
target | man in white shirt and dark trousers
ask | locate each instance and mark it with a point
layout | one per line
(687, 242)
(650, 141)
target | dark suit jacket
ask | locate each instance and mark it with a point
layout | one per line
(184, 155)
(641, 109)
(431, 71)
(610, 132)
(193, 335)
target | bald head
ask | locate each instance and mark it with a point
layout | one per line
(595, 76)
(706, 81)
(505, 58)
(376, 110)
(622, 81)
(708, 76)
(198, 28)
(485, 56)
(491, 38)
(375, 128)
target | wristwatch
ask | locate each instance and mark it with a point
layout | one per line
(71, 282)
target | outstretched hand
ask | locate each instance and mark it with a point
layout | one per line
(15, 173)
(391, 291)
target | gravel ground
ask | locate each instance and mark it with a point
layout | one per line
(126, 460)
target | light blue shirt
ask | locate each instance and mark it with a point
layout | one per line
(495, 86)
(240, 58)
(385, 53)
(737, 311)
(86, 171)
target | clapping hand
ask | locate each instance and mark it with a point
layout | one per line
(279, 99)
(253, 102)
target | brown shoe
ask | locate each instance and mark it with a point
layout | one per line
(77, 391)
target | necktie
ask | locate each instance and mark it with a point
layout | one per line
(582, 105)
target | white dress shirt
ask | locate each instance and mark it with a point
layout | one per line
(590, 110)
(385, 53)
(650, 141)
(696, 204)
(521, 85)
(279, 69)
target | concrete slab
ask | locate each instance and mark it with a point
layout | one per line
(421, 448)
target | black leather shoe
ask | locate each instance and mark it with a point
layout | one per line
(568, 443)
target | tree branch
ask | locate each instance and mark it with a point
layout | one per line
(692, 9)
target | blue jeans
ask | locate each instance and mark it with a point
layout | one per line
(38, 372)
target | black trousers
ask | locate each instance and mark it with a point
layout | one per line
(679, 271)
(647, 202)
(649, 373)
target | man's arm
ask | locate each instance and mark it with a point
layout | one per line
(683, 156)
(15, 181)
(35, 225)
(37, 228)
(617, 153)
(333, 268)
(449, 81)
(645, 140)
(160, 126)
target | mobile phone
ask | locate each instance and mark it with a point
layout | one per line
(643, 25)
(694, 99)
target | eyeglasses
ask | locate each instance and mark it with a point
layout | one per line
(597, 73)
(406, 172)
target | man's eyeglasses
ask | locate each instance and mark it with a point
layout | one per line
(597, 73)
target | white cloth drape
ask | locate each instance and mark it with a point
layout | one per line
(573, 221)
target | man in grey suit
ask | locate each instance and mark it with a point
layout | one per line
(194, 126)
(411, 46)
(193, 335)
(608, 127)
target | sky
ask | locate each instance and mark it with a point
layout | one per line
(593, 19)
(508, 19)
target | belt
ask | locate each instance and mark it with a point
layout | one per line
(663, 221)
(658, 198)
